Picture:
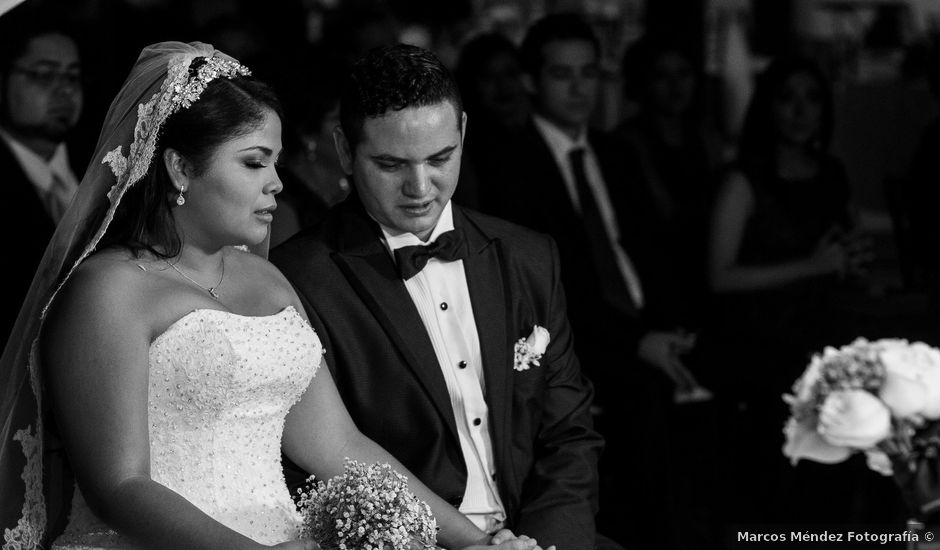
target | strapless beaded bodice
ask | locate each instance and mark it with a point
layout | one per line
(221, 385)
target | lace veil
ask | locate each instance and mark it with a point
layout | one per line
(122, 157)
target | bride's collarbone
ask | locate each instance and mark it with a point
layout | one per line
(173, 300)
(248, 288)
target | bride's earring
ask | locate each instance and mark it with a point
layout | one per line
(180, 199)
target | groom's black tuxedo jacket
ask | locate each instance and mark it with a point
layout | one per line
(545, 447)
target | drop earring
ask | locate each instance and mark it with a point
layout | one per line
(180, 199)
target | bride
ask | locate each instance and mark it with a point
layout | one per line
(164, 358)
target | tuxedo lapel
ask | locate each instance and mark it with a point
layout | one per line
(369, 268)
(489, 295)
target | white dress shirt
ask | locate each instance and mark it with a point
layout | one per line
(561, 145)
(440, 293)
(53, 179)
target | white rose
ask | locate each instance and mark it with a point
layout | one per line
(537, 342)
(802, 441)
(912, 379)
(854, 418)
(903, 393)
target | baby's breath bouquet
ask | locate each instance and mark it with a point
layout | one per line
(881, 398)
(368, 507)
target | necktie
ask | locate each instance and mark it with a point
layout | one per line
(612, 281)
(449, 246)
(57, 198)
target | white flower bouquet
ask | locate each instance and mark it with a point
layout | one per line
(881, 398)
(367, 508)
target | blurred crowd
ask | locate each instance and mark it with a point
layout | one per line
(702, 270)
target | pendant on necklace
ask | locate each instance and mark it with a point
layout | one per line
(213, 293)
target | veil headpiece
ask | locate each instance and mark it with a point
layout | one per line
(160, 84)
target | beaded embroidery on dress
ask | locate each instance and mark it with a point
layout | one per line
(221, 385)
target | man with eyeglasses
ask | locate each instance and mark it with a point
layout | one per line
(40, 104)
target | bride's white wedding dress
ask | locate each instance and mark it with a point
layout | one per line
(221, 385)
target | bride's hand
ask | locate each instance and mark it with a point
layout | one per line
(503, 535)
(504, 539)
(297, 545)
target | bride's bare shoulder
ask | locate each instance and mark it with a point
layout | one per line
(105, 305)
(114, 271)
(110, 282)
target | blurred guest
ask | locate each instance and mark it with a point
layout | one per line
(357, 27)
(40, 104)
(922, 194)
(781, 239)
(672, 155)
(245, 39)
(313, 178)
(569, 181)
(489, 75)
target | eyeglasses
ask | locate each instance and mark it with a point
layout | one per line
(49, 78)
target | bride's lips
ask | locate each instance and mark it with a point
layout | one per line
(267, 213)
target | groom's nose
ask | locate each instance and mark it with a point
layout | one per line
(417, 182)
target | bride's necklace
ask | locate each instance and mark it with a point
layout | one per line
(212, 290)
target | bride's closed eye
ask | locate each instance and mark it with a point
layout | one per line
(256, 163)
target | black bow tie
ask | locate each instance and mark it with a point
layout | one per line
(448, 246)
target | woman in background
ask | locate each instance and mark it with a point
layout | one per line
(782, 239)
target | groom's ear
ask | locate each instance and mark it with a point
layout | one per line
(343, 149)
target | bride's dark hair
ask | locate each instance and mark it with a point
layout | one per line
(226, 109)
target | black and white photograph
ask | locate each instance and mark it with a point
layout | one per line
(470, 274)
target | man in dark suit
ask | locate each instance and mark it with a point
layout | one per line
(565, 179)
(40, 104)
(428, 315)
(570, 181)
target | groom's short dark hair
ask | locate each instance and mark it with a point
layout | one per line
(393, 78)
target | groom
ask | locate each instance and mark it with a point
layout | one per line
(421, 304)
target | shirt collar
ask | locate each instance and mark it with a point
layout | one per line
(558, 141)
(393, 240)
(60, 163)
